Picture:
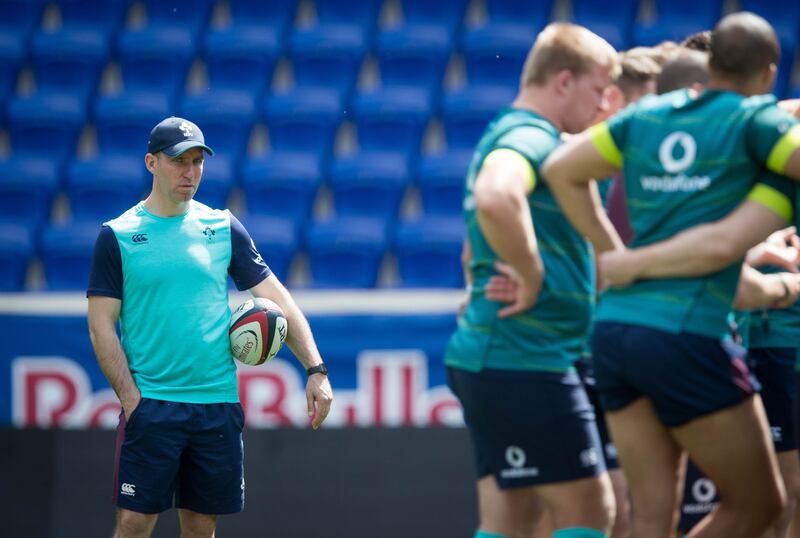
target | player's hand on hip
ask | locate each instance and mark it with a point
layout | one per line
(520, 294)
(615, 269)
(130, 405)
(501, 287)
(781, 249)
(319, 396)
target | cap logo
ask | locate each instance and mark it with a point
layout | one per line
(186, 128)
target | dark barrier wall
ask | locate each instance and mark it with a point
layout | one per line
(347, 483)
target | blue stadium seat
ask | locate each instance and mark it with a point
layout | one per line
(219, 177)
(327, 57)
(273, 16)
(494, 55)
(614, 23)
(392, 119)
(304, 119)
(46, 124)
(241, 58)
(105, 187)
(226, 118)
(677, 19)
(415, 56)
(16, 252)
(354, 16)
(467, 112)
(190, 15)
(530, 16)
(440, 180)
(20, 17)
(276, 239)
(104, 17)
(69, 61)
(155, 59)
(12, 55)
(282, 184)
(346, 252)
(447, 14)
(123, 122)
(429, 252)
(28, 186)
(369, 184)
(66, 255)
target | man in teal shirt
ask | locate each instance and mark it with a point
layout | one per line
(664, 379)
(511, 367)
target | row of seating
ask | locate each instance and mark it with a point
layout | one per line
(342, 252)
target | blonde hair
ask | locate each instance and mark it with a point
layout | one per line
(564, 46)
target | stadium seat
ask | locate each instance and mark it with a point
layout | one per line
(530, 16)
(66, 255)
(354, 16)
(45, 124)
(241, 58)
(104, 17)
(226, 118)
(105, 187)
(28, 186)
(276, 239)
(392, 119)
(440, 180)
(274, 17)
(467, 112)
(155, 59)
(219, 177)
(677, 19)
(327, 57)
(16, 252)
(304, 119)
(428, 252)
(415, 56)
(12, 56)
(190, 15)
(19, 18)
(423, 13)
(614, 24)
(69, 61)
(282, 184)
(369, 184)
(494, 55)
(123, 122)
(346, 252)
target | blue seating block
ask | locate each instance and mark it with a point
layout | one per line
(226, 118)
(28, 186)
(676, 20)
(276, 239)
(304, 119)
(66, 255)
(241, 58)
(282, 184)
(429, 252)
(219, 177)
(46, 123)
(102, 188)
(467, 112)
(123, 122)
(369, 184)
(413, 56)
(155, 59)
(614, 24)
(495, 54)
(16, 252)
(440, 180)
(104, 17)
(69, 61)
(392, 119)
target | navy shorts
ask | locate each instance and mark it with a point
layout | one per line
(774, 369)
(190, 452)
(686, 376)
(585, 367)
(529, 428)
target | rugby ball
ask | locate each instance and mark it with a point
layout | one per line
(257, 332)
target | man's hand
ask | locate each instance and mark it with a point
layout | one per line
(791, 284)
(616, 269)
(781, 249)
(319, 396)
(130, 404)
(508, 287)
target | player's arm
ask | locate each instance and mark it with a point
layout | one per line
(103, 316)
(569, 171)
(501, 197)
(773, 136)
(319, 393)
(758, 290)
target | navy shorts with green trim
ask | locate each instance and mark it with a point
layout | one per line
(585, 367)
(529, 428)
(190, 452)
(774, 369)
(685, 375)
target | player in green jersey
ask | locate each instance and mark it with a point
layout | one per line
(664, 378)
(511, 367)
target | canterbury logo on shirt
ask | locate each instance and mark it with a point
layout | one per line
(139, 238)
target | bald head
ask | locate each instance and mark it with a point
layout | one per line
(684, 70)
(743, 46)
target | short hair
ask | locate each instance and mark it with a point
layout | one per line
(742, 46)
(567, 46)
(698, 41)
(686, 68)
(638, 67)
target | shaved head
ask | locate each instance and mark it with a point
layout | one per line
(743, 45)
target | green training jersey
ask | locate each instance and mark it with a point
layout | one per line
(689, 160)
(550, 335)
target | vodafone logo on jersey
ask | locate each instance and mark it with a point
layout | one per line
(391, 390)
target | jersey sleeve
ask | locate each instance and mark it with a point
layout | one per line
(776, 193)
(533, 143)
(772, 136)
(105, 275)
(247, 267)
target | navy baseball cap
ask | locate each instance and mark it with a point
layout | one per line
(175, 135)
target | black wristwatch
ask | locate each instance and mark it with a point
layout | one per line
(318, 369)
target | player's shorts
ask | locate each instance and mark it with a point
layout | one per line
(529, 428)
(686, 376)
(585, 369)
(774, 369)
(190, 451)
